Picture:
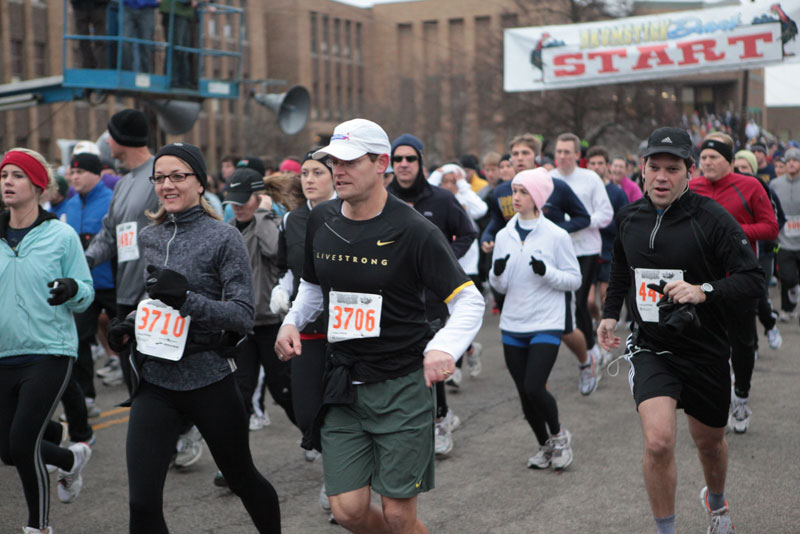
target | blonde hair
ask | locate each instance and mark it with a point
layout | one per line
(51, 180)
(160, 215)
(720, 136)
(285, 188)
(528, 139)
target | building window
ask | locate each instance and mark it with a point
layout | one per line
(40, 59)
(346, 44)
(335, 46)
(323, 47)
(313, 31)
(17, 58)
(357, 46)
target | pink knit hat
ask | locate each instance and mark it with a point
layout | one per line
(538, 183)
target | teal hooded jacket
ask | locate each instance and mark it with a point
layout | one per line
(28, 324)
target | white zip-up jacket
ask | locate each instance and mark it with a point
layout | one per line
(534, 303)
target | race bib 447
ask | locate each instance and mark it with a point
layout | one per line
(646, 298)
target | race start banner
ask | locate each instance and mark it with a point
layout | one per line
(650, 47)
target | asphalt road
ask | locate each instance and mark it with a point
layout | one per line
(484, 485)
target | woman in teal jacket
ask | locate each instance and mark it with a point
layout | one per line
(39, 340)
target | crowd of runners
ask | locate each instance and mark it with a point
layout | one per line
(349, 284)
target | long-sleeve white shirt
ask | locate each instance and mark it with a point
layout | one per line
(589, 188)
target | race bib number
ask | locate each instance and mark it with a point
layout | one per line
(646, 298)
(127, 246)
(792, 226)
(353, 315)
(161, 332)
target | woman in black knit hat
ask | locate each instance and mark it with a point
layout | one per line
(182, 332)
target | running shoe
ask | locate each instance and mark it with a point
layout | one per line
(31, 530)
(189, 448)
(474, 359)
(258, 422)
(562, 449)
(443, 438)
(604, 358)
(92, 410)
(542, 459)
(451, 420)
(219, 480)
(311, 455)
(113, 379)
(455, 379)
(71, 482)
(721, 522)
(97, 352)
(324, 502)
(787, 317)
(774, 338)
(111, 367)
(587, 381)
(739, 419)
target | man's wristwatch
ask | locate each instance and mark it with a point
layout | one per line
(708, 289)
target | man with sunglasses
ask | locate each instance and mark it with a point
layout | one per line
(441, 208)
(367, 256)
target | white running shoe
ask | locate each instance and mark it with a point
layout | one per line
(562, 449)
(474, 359)
(455, 379)
(324, 502)
(443, 438)
(71, 482)
(604, 359)
(311, 455)
(587, 381)
(721, 522)
(739, 419)
(111, 367)
(31, 530)
(189, 447)
(92, 409)
(451, 420)
(774, 338)
(258, 422)
(787, 317)
(542, 459)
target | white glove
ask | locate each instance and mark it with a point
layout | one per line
(279, 300)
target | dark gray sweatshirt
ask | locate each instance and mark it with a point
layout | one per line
(213, 258)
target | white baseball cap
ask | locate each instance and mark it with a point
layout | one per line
(354, 138)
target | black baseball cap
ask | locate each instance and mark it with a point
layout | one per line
(252, 162)
(675, 141)
(243, 183)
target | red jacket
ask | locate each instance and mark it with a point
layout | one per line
(745, 199)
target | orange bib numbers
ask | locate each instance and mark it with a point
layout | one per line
(792, 226)
(353, 315)
(646, 298)
(161, 331)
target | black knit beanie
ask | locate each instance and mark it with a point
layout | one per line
(128, 128)
(188, 153)
(86, 161)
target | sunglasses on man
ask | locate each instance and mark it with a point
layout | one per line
(410, 159)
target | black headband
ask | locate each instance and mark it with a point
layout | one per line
(720, 147)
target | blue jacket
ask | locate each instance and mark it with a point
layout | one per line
(28, 324)
(560, 202)
(140, 4)
(85, 215)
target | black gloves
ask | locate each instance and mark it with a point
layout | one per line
(673, 316)
(117, 330)
(500, 265)
(63, 290)
(166, 285)
(538, 266)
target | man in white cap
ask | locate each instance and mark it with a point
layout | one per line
(368, 256)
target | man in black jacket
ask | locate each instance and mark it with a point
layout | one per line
(441, 208)
(699, 254)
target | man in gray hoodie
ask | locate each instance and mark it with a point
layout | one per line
(133, 195)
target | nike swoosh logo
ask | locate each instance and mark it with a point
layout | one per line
(382, 243)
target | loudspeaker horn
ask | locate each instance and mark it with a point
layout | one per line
(292, 107)
(175, 117)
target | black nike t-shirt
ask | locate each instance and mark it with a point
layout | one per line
(396, 255)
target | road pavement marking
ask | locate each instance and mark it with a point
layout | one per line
(110, 423)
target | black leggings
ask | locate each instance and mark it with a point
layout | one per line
(583, 317)
(530, 367)
(258, 350)
(766, 314)
(29, 395)
(308, 370)
(220, 415)
(741, 324)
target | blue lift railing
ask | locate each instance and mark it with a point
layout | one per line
(119, 77)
